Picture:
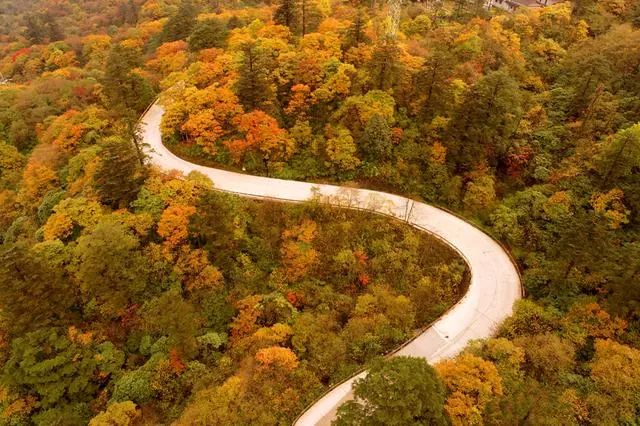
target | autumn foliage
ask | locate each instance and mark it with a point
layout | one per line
(131, 295)
(262, 134)
(173, 224)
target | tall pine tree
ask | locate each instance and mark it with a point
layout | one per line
(127, 92)
(355, 34)
(253, 86)
(287, 14)
(376, 143)
(180, 25)
(309, 16)
(119, 175)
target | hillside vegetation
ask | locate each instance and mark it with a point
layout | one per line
(135, 295)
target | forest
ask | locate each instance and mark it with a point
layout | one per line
(129, 295)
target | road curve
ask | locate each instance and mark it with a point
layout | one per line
(495, 282)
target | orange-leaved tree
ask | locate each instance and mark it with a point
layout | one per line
(298, 254)
(471, 383)
(276, 356)
(173, 224)
(261, 134)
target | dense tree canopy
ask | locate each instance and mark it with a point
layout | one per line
(128, 295)
(399, 391)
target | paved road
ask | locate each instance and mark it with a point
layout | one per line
(495, 283)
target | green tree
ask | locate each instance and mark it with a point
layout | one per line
(172, 316)
(41, 27)
(587, 72)
(341, 150)
(11, 165)
(548, 357)
(60, 367)
(253, 86)
(133, 385)
(207, 34)
(316, 342)
(217, 217)
(479, 193)
(384, 66)
(433, 80)
(356, 31)
(34, 30)
(398, 391)
(119, 176)
(621, 156)
(110, 269)
(35, 294)
(45, 209)
(309, 16)
(128, 93)
(287, 14)
(582, 8)
(180, 24)
(128, 12)
(529, 318)
(74, 414)
(376, 143)
(483, 125)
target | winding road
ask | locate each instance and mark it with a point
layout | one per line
(495, 282)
